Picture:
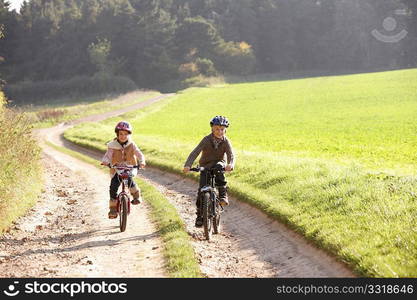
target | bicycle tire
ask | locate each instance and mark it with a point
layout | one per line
(216, 218)
(123, 213)
(207, 220)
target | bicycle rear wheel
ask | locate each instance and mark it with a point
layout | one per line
(123, 212)
(207, 219)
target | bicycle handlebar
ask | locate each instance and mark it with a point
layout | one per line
(201, 169)
(124, 167)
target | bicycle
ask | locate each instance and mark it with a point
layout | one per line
(210, 202)
(123, 198)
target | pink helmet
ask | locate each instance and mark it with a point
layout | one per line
(123, 125)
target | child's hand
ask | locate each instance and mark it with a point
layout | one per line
(186, 170)
(142, 165)
(104, 164)
(229, 168)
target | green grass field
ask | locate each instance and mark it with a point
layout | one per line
(332, 157)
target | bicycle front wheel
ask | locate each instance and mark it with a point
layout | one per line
(207, 219)
(123, 212)
(216, 218)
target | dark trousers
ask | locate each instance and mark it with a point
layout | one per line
(220, 182)
(115, 183)
(220, 179)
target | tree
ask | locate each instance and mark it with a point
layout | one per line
(205, 67)
(99, 56)
(235, 58)
(151, 39)
(197, 33)
(153, 61)
(7, 29)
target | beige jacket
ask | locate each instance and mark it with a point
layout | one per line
(117, 153)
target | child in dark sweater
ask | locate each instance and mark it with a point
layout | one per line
(216, 151)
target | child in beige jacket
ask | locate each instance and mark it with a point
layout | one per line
(122, 151)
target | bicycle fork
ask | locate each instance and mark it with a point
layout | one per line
(122, 194)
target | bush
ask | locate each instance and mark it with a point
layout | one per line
(235, 58)
(19, 165)
(201, 81)
(2, 103)
(206, 67)
(28, 92)
(188, 70)
(50, 114)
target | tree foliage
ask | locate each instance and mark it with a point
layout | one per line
(154, 41)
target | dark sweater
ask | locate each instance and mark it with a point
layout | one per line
(210, 153)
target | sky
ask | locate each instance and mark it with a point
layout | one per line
(15, 4)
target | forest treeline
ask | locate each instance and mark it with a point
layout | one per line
(149, 42)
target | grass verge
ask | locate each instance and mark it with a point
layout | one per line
(178, 252)
(20, 170)
(22, 198)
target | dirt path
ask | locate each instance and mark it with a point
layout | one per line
(121, 99)
(67, 234)
(250, 244)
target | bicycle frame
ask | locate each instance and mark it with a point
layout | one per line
(210, 185)
(211, 208)
(124, 173)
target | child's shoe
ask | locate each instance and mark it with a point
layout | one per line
(199, 219)
(137, 198)
(223, 196)
(224, 202)
(137, 201)
(113, 209)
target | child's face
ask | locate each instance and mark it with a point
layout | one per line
(218, 131)
(122, 136)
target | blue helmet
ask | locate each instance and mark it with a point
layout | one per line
(219, 120)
